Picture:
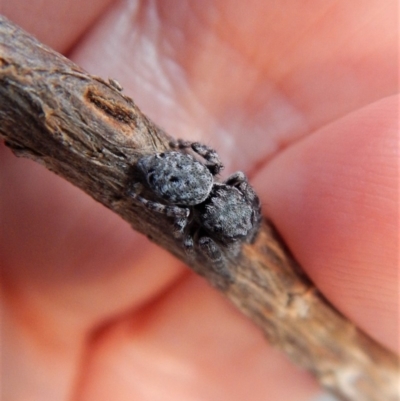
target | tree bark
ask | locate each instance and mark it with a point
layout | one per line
(86, 130)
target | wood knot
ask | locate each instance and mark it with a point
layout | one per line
(110, 106)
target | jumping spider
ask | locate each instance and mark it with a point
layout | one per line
(212, 218)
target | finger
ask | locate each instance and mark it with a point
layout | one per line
(197, 349)
(57, 23)
(67, 265)
(333, 196)
(39, 356)
(57, 243)
(272, 75)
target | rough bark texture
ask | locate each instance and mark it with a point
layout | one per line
(84, 129)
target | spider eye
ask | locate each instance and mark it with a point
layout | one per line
(162, 155)
(173, 179)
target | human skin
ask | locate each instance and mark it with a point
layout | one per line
(302, 96)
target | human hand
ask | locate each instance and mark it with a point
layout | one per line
(301, 98)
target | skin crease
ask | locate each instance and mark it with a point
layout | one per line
(301, 96)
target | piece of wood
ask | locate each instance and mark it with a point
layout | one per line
(84, 129)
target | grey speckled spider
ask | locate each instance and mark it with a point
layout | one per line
(213, 219)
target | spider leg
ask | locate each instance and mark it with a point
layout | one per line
(179, 226)
(208, 154)
(179, 214)
(213, 253)
(180, 144)
(188, 244)
(234, 249)
(214, 164)
(238, 180)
